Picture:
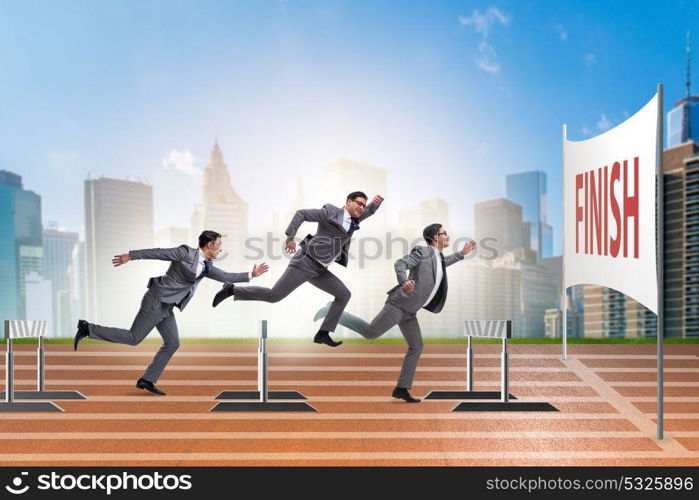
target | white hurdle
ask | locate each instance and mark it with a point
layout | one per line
(263, 395)
(493, 329)
(501, 329)
(16, 330)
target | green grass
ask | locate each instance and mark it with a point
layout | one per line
(451, 340)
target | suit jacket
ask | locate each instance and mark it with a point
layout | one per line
(419, 266)
(180, 281)
(331, 241)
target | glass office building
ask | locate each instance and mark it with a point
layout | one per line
(20, 243)
(683, 122)
(529, 190)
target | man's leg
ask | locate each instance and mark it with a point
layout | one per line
(147, 318)
(171, 342)
(410, 329)
(331, 284)
(292, 278)
(387, 318)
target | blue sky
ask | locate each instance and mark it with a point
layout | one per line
(462, 92)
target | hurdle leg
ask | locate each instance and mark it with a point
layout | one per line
(262, 394)
(9, 373)
(505, 377)
(10, 404)
(469, 365)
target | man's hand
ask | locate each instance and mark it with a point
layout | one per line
(408, 286)
(290, 245)
(468, 247)
(378, 199)
(121, 259)
(261, 269)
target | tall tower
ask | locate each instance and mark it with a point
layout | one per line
(224, 211)
(20, 243)
(683, 119)
(118, 218)
(221, 208)
(529, 190)
(58, 254)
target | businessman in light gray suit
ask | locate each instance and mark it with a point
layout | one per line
(330, 244)
(188, 266)
(422, 283)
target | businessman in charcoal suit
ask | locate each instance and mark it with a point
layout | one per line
(422, 278)
(175, 289)
(330, 244)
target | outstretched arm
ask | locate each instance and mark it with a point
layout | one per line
(224, 277)
(372, 207)
(456, 257)
(171, 254)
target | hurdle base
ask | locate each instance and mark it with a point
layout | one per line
(502, 406)
(256, 395)
(465, 395)
(45, 395)
(28, 406)
(262, 406)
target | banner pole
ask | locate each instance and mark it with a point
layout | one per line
(564, 302)
(660, 327)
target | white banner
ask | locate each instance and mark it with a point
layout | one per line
(609, 198)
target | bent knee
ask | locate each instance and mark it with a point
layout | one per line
(344, 296)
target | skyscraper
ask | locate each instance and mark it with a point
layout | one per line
(118, 218)
(58, 253)
(342, 176)
(683, 118)
(20, 243)
(39, 301)
(223, 210)
(529, 190)
(500, 219)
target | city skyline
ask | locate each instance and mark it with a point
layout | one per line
(288, 87)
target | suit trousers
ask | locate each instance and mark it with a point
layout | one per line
(387, 318)
(153, 314)
(301, 270)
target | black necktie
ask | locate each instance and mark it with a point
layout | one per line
(205, 271)
(354, 225)
(440, 296)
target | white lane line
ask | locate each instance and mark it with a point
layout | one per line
(503, 416)
(543, 434)
(399, 355)
(623, 406)
(344, 456)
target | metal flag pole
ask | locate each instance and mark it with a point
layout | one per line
(564, 301)
(660, 327)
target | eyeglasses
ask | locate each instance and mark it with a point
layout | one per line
(363, 205)
(442, 234)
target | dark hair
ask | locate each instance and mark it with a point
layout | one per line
(356, 194)
(207, 237)
(430, 232)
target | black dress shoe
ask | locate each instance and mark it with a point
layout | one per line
(149, 386)
(325, 338)
(403, 394)
(83, 332)
(223, 293)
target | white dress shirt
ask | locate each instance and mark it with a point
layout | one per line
(438, 275)
(346, 223)
(200, 266)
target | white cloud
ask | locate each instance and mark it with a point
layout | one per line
(181, 161)
(561, 31)
(591, 59)
(586, 132)
(603, 124)
(483, 23)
